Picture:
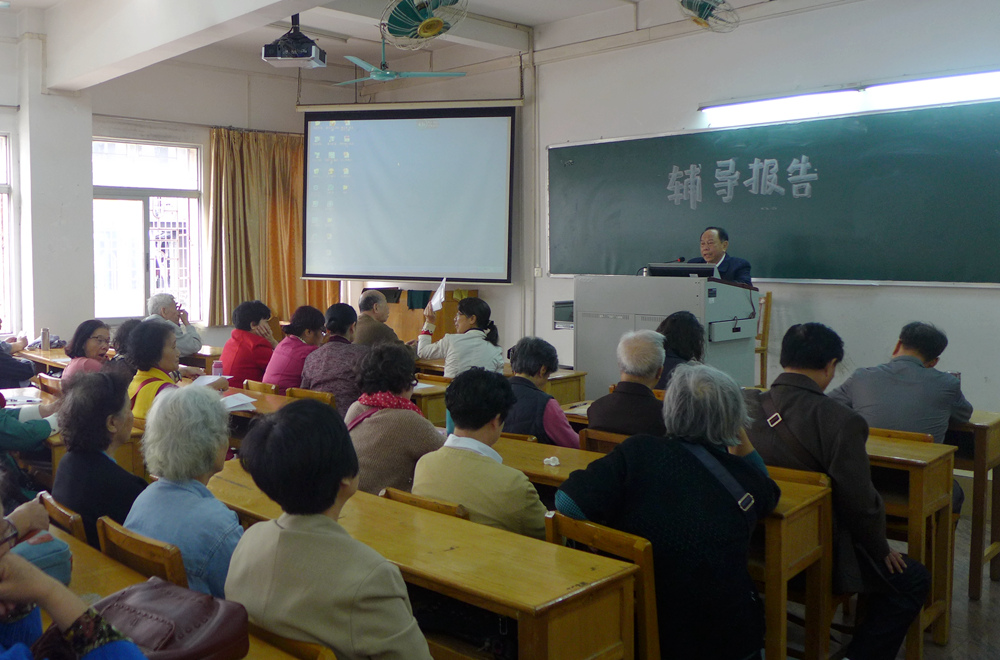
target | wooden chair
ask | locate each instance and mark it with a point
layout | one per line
(799, 476)
(50, 384)
(141, 553)
(523, 437)
(429, 503)
(763, 334)
(626, 546)
(293, 647)
(257, 386)
(434, 378)
(63, 517)
(302, 393)
(600, 441)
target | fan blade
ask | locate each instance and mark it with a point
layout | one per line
(351, 82)
(361, 63)
(428, 74)
(403, 18)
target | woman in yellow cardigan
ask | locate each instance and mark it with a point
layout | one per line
(152, 347)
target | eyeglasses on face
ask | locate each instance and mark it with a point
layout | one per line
(101, 340)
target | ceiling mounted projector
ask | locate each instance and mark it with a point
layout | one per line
(294, 49)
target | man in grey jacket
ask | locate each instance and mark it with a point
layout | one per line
(163, 308)
(797, 426)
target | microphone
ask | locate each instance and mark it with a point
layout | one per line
(678, 260)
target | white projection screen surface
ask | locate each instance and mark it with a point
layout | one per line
(409, 194)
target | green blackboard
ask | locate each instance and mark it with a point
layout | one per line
(907, 196)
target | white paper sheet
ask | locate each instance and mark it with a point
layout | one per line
(237, 402)
(437, 300)
(207, 380)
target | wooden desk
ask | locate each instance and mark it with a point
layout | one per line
(925, 505)
(576, 412)
(984, 427)
(528, 456)
(568, 604)
(96, 576)
(204, 358)
(565, 385)
(264, 404)
(54, 358)
(430, 400)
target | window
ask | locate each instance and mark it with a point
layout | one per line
(147, 226)
(7, 247)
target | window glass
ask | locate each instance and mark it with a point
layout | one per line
(119, 276)
(134, 165)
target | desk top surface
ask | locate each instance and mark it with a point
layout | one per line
(980, 419)
(54, 356)
(528, 456)
(459, 557)
(906, 452)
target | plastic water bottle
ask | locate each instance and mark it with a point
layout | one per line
(217, 368)
(45, 339)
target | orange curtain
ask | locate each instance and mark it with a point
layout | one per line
(255, 201)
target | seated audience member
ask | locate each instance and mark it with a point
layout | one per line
(153, 351)
(23, 429)
(164, 309)
(536, 413)
(372, 328)
(249, 348)
(333, 367)
(24, 589)
(303, 335)
(476, 344)
(468, 471)
(96, 421)
(14, 372)
(88, 348)
(683, 340)
(120, 362)
(633, 408)
(302, 576)
(186, 439)
(816, 433)
(658, 488)
(908, 393)
(388, 430)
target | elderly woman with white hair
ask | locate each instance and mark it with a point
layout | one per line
(187, 435)
(683, 494)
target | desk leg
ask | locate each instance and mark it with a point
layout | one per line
(916, 539)
(775, 591)
(944, 545)
(818, 590)
(995, 526)
(980, 478)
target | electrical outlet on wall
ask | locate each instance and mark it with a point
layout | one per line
(538, 271)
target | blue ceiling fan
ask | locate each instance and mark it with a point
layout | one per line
(383, 74)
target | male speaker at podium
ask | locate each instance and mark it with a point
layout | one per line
(714, 242)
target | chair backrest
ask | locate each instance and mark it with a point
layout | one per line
(433, 378)
(523, 437)
(659, 394)
(764, 319)
(302, 393)
(141, 553)
(257, 386)
(64, 517)
(629, 547)
(600, 441)
(50, 384)
(429, 503)
(799, 476)
(293, 647)
(892, 434)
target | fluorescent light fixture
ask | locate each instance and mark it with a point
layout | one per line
(891, 96)
(4, 5)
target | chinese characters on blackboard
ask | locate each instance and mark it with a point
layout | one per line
(762, 179)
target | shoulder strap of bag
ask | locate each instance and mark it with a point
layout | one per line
(744, 500)
(360, 418)
(793, 444)
(142, 385)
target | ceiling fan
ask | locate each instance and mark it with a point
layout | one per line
(384, 74)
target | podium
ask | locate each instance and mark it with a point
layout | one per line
(607, 306)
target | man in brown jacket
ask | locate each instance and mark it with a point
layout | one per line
(372, 328)
(797, 426)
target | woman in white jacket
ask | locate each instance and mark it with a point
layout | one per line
(474, 345)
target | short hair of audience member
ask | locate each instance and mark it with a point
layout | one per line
(146, 342)
(89, 399)
(683, 334)
(530, 354)
(305, 318)
(340, 317)
(476, 396)
(479, 308)
(723, 234)
(120, 340)
(387, 367)
(250, 312)
(159, 301)
(641, 353)
(703, 403)
(185, 429)
(369, 299)
(923, 338)
(810, 346)
(299, 456)
(77, 346)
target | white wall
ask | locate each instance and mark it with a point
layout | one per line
(657, 88)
